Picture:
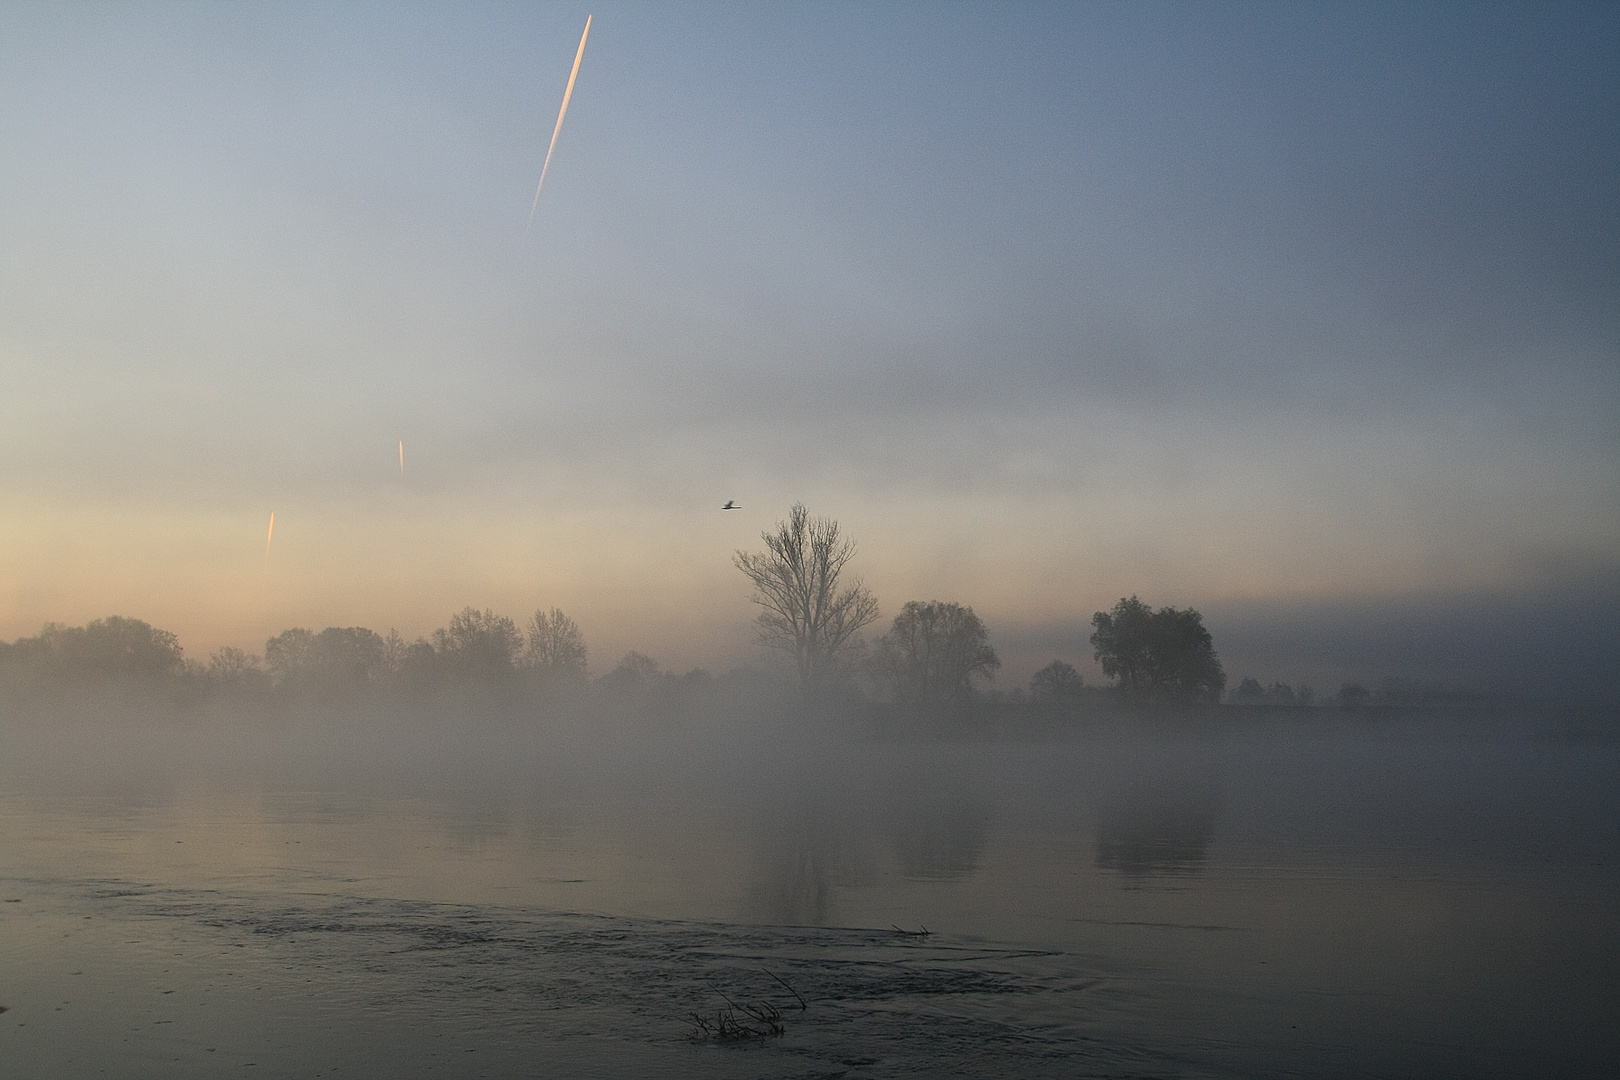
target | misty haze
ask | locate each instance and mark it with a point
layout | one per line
(809, 542)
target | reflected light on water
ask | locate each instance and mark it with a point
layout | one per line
(1228, 903)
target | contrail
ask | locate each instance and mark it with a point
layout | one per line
(270, 535)
(568, 93)
(402, 457)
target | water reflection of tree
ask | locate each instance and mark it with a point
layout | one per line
(935, 826)
(940, 836)
(804, 855)
(795, 884)
(1159, 831)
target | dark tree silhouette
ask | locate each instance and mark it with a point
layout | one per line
(634, 669)
(1249, 692)
(808, 610)
(232, 669)
(1165, 653)
(421, 670)
(478, 646)
(1056, 682)
(352, 654)
(114, 648)
(337, 661)
(1122, 640)
(556, 648)
(289, 654)
(933, 652)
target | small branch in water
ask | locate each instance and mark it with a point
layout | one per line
(726, 1027)
(924, 932)
(764, 1022)
(795, 993)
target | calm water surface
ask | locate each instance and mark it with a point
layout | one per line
(366, 897)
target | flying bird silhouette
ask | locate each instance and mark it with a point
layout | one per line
(730, 506)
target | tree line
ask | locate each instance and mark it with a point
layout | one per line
(812, 609)
(939, 651)
(476, 646)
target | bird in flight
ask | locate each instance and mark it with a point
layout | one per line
(730, 506)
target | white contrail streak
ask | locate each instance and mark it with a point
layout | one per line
(568, 93)
(402, 457)
(270, 535)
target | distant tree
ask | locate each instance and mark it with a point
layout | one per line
(349, 654)
(1353, 695)
(1123, 641)
(394, 649)
(24, 662)
(336, 662)
(232, 669)
(421, 669)
(933, 652)
(556, 648)
(808, 610)
(13, 655)
(698, 679)
(289, 655)
(112, 649)
(1280, 693)
(633, 670)
(229, 662)
(1056, 682)
(1249, 692)
(1185, 664)
(1166, 653)
(478, 646)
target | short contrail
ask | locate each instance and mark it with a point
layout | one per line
(402, 457)
(568, 93)
(270, 535)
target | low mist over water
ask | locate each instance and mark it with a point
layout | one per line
(806, 541)
(1077, 893)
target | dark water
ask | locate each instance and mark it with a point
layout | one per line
(1421, 897)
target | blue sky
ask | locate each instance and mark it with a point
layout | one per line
(1279, 311)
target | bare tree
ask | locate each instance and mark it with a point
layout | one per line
(797, 583)
(556, 647)
(232, 669)
(394, 651)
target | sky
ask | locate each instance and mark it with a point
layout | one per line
(1307, 316)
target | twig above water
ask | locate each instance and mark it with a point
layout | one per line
(759, 1021)
(795, 993)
